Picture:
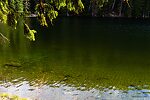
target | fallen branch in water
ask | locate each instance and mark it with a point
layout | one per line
(13, 64)
(3, 39)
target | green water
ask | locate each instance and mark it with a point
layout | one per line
(79, 52)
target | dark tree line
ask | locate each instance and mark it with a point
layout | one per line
(48, 10)
(118, 8)
(107, 8)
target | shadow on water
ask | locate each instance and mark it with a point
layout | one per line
(78, 58)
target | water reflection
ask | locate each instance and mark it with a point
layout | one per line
(64, 92)
(78, 59)
(45, 92)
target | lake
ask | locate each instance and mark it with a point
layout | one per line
(78, 59)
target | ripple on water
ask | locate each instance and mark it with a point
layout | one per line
(64, 92)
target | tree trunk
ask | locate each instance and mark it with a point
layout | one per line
(112, 8)
(41, 7)
(144, 8)
(120, 10)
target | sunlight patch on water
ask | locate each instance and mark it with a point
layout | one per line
(64, 92)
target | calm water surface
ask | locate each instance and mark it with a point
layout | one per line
(78, 59)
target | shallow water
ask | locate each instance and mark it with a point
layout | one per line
(78, 58)
(63, 92)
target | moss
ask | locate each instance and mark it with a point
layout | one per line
(42, 19)
(61, 4)
(4, 8)
(52, 14)
(70, 6)
(3, 12)
(47, 10)
(29, 33)
(76, 6)
(3, 17)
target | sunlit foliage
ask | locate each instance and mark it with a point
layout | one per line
(76, 6)
(6, 96)
(52, 14)
(29, 33)
(50, 9)
(10, 12)
(3, 12)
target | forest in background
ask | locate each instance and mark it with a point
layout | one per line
(101, 8)
(47, 10)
